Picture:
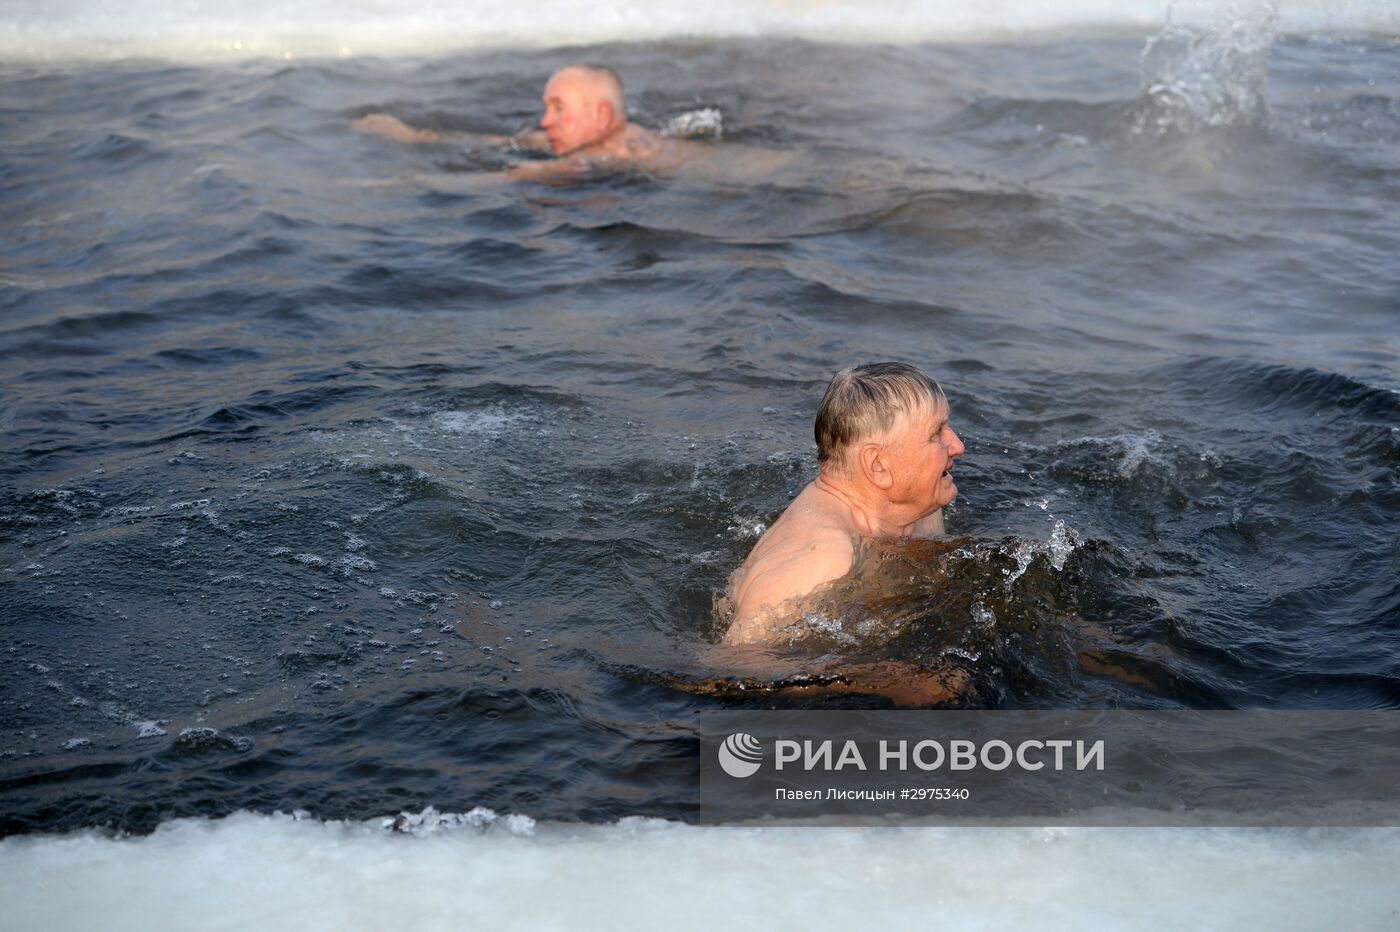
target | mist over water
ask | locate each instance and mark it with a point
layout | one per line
(205, 31)
(349, 477)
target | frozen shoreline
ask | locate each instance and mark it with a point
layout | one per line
(275, 872)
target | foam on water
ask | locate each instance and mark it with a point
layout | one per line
(478, 870)
(204, 29)
(477, 422)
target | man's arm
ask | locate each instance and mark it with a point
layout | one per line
(391, 126)
(565, 169)
(535, 140)
(385, 125)
(902, 683)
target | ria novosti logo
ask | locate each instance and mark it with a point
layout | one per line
(741, 755)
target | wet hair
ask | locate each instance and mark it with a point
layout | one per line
(612, 86)
(865, 401)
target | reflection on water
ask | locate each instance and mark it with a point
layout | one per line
(344, 476)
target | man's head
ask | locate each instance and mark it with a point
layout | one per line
(583, 105)
(886, 425)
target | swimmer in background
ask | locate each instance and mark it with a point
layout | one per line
(885, 450)
(584, 125)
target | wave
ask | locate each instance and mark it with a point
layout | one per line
(204, 30)
(1279, 389)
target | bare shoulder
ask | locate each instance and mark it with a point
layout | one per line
(554, 171)
(651, 151)
(773, 600)
(812, 543)
(798, 569)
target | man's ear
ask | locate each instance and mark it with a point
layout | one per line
(871, 460)
(605, 113)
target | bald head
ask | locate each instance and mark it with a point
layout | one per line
(602, 81)
(583, 105)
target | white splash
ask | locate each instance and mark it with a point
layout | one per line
(707, 122)
(1208, 76)
(149, 729)
(1063, 541)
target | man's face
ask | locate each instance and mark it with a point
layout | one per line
(573, 113)
(921, 448)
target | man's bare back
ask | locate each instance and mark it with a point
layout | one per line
(886, 473)
(633, 147)
(810, 544)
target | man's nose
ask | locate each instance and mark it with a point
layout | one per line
(956, 448)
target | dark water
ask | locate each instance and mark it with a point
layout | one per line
(344, 476)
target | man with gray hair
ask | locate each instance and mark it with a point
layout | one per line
(584, 125)
(884, 451)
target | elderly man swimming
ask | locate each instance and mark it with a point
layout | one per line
(584, 125)
(885, 451)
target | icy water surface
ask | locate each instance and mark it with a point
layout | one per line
(349, 477)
